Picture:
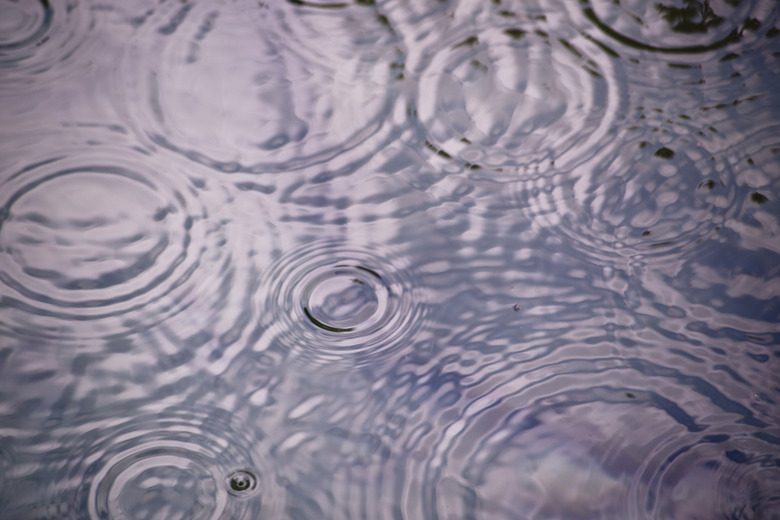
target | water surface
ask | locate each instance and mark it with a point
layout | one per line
(403, 260)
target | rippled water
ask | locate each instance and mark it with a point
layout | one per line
(394, 259)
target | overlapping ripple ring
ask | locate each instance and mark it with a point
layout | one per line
(738, 466)
(7, 464)
(698, 27)
(330, 301)
(525, 445)
(675, 204)
(554, 98)
(313, 83)
(96, 235)
(36, 36)
(188, 464)
(342, 473)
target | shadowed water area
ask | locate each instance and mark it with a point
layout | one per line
(390, 259)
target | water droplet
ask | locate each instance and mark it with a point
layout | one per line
(241, 483)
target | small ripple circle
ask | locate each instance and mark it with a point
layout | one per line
(241, 483)
(345, 298)
(22, 24)
(332, 301)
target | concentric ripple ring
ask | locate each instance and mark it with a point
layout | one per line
(330, 300)
(668, 28)
(95, 237)
(554, 98)
(313, 83)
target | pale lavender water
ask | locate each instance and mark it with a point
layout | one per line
(392, 260)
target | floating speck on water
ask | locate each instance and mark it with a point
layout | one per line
(758, 198)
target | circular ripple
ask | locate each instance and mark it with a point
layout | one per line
(727, 474)
(172, 464)
(547, 436)
(36, 36)
(241, 483)
(22, 25)
(680, 27)
(7, 464)
(551, 457)
(97, 235)
(649, 203)
(553, 98)
(330, 301)
(334, 472)
(341, 298)
(259, 88)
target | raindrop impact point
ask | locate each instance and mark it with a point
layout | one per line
(241, 483)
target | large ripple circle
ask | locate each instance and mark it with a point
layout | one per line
(330, 301)
(512, 440)
(265, 88)
(506, 99)
(98, 236)
(693, 26)
(554, 456)
(729, 472)
(637, 205)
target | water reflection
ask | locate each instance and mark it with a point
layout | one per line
(649, 205)
(741, 487)
(554, 96)
(302, 85)
(389, 259)
(97, 238)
